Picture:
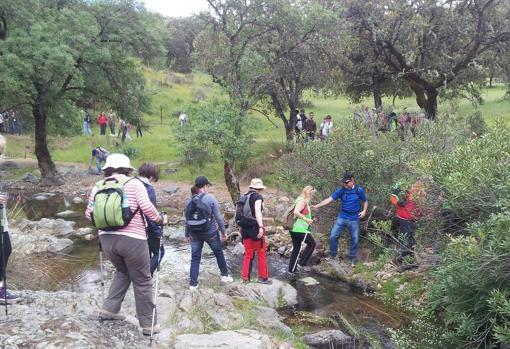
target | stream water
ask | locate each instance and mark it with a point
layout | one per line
(328, 299)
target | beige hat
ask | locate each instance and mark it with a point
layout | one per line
(117, 161)
(256, 183)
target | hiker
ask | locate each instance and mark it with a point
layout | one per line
(100, 154)
(87, 121)
(252, 232)
(392, 121)
(299, 124)
(300, 231)
(111, 122)
(5, 243)
(310, 127)
(407, 213)
(126, 247)
(204, 223)
(102, 120)
(139, 126)
(149, 173)
(1, 123)
(351, 195)
(182, 119)
(326, 127)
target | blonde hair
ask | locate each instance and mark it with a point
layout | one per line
(306, 193)
(2, 144)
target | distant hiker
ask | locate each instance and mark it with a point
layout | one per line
(392, 121)
(249, 219)
(112, 119)
(300, 231)
(407, 213)
(2, 123)
(5, 243)
(182, 119)
(326, 127)
(139, 126)
(99, 154)
(351, 196)
(116, 207)
(149, 173)
(299, 124)
(123, 130)
(102, 120)
(310, 127)
(87, 122)
(204, 223)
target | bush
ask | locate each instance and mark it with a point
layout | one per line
(470, 288)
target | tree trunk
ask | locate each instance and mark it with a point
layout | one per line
(290, 127)
(46, 165)
(231, 181)
(376, 90)
(431, 106)
(490, 80)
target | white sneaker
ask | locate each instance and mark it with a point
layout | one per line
(227, 279)
(193, 288)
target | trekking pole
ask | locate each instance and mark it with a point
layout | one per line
(101, 270)
(157, 281)
(300, 248)
(3, 256)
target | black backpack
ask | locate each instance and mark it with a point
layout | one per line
(244, 217)
(198, 215)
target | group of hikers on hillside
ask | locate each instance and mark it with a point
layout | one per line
(124, 210)
(112, 122)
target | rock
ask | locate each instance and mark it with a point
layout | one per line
(78, 200)
(270, 319)
(9, 165)
(224, 340)
(238, 249)
(83, 232)
(40, 197)
(170, 170)
(171, 190)
(284, 199)
(309, 281)
(328, 339)
(174, 233)
(89, 237)
(68, 214)
(276, 295)
(281, 250)
(229, 215)
(286, 345)
(30, 178)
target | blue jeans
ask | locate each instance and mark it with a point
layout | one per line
(197, 242)
(99, 165)
(336, 233)
(86, 129)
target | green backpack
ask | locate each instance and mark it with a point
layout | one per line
(111, 209)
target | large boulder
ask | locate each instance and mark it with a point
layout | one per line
(39, 243)
(224, 340)
(276, 295)
(329, 339)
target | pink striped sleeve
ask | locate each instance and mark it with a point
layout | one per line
(88, 211)
(144, 202)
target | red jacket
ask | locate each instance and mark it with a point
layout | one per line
(102, 119)
(408, 211)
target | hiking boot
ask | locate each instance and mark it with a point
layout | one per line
(7, 297)
(193, 287)
(353, 262)
(108, 315)
(226, 279)
(265, 281)
(146, 331)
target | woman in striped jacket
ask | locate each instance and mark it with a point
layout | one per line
(127, 247)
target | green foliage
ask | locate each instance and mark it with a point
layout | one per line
(130, 152)
(421, 333)
(216, 129)
(470, 287)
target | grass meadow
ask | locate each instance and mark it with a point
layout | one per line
(171, 93)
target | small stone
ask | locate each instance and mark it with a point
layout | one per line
(30, 178)
(309, 281)
(78, 200)
(171, 190)
(68, 214)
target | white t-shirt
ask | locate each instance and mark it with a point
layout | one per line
(326, 128)
(182, 117)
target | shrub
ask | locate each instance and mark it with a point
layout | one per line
(470, 288)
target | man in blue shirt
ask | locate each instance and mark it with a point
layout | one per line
(352, 196)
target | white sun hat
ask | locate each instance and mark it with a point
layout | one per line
(117, 161)
(256, 183)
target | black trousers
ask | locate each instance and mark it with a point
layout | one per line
(407, 229)
(297, 239)
(5, 252)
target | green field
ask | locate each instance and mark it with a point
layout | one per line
(172, 92)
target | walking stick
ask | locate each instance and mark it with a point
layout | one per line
(3, 256)
(101, 270)
(157, 281)
(300, 248)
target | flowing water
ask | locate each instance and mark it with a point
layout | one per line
(326, 304)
